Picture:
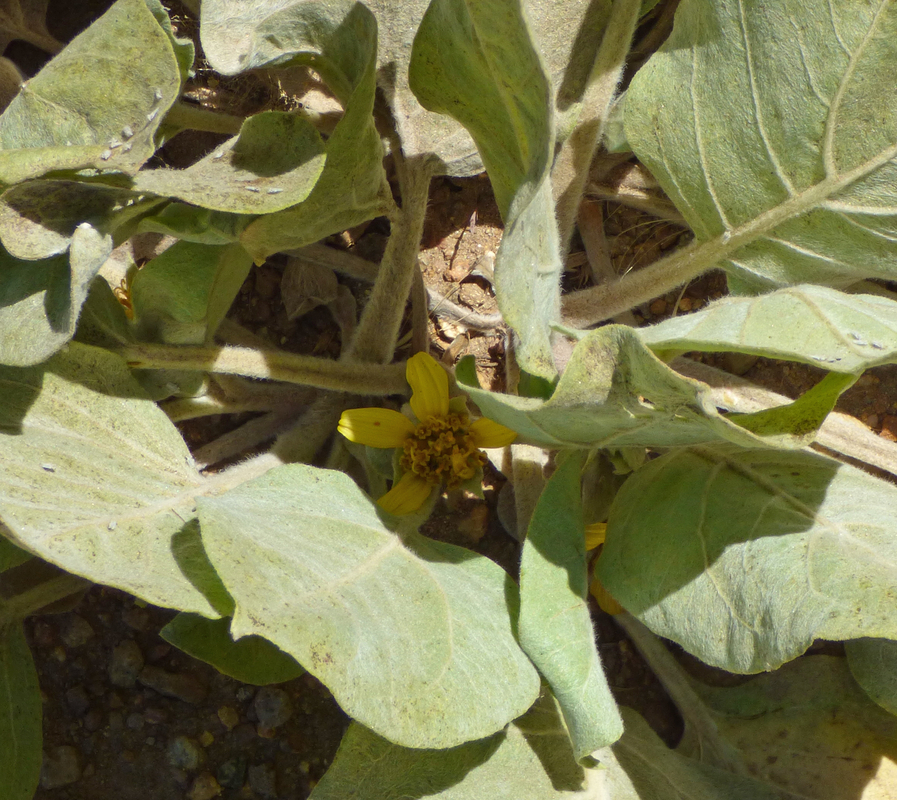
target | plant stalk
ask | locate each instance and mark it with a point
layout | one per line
(378, 329)
(322, 373)
(197, 118)
(571, 170)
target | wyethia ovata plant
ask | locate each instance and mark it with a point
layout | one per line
(771, 128)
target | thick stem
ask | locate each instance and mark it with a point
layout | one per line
(197, 118)
(571, 170)
(341, 376)
(598, 303)
(378, 329)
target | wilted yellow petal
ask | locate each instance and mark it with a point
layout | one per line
(595, 534)
(406, 496)
(605, 602)
(487, 433)
(375, 427)
(429, 387)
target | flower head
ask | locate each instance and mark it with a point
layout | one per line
(440, 448)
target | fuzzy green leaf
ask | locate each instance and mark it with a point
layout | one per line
(614, 393)
(555, 626)
(20, 715)
(100, 101)
(811, 324)
(773, 128)
(873, 663)
(40, 300)
(744, 557)
(181, 296)
(38, 218)
(339, 41)
(531, 759)
(195, 224)
(476, 62)
(249, 660)
(413, 637)
(808, 729)
(641, 767)
(108, 494)
(273, 164)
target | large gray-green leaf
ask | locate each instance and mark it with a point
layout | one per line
(531, 759)
(566, 33)
(40, 300)
(811, 324)
(100, 101)
(181, 296)
(873, 663)
(809, 729)
(613, 393)
(413, 637)
(338, 40)
(641, 767)
(555, 626)
(95, 479)
(39, 218)
(273, 164)
(773, 128)
(20, 715)
(476, 62)
(745, 556)
(249, 660)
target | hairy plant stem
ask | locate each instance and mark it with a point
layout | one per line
(322, 373)
(571, 170)
(714, 749)
(598, 303)
(378, 329)
(197, 118)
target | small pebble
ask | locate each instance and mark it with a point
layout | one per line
(658, 307)
(872, 420)
(229, 717)
(272, 706)
(93, 720)
(60, 767)
(156, 716)
(78, 632)
(136, 618)
(181, 687)
(185, 753)
(135, 721)
(77, 700)
(126, 664)
(474, 525)
(206, 738)
(232, 773)
(263, 779)
(205, 787)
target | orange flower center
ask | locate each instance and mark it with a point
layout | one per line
(441, 450)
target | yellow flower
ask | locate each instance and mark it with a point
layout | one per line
(595, 535)
(442, 448)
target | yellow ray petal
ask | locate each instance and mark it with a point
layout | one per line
(605, 601)
(408, 495)
(429, 387)
(595, 534)
(487, 433)
(375, 427)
